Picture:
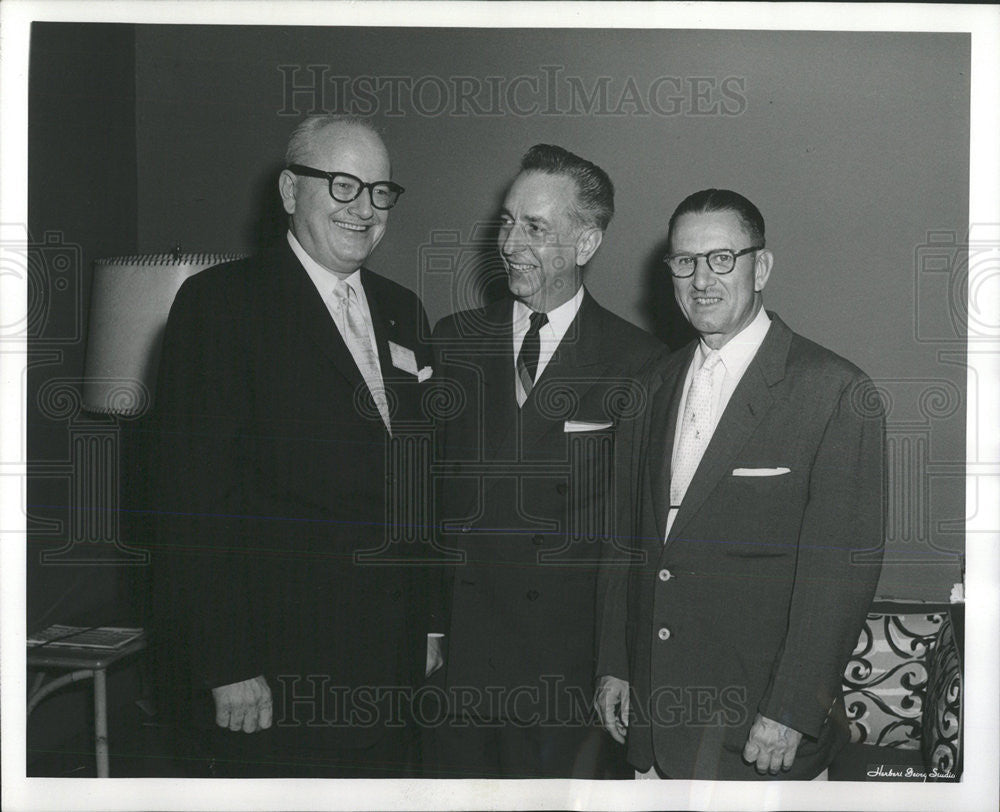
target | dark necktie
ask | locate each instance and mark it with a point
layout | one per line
(527, 358)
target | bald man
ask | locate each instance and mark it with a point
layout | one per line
(282, 379)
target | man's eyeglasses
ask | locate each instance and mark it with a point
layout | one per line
(721, 261)
(345, 187)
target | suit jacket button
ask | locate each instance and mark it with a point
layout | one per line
(532, 594)
(537, 540)
(663, 633)
(561, 488)
(665, 575)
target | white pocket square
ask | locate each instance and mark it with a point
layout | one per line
(760, 471)
(584, 425)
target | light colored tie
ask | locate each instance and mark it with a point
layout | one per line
(696, 429)
(359, 343)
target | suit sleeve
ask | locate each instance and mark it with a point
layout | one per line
(622, 553)
(439, 576)
(427, 587)
(833, 587)
(203, 559)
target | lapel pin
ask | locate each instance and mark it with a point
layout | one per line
(392, 322)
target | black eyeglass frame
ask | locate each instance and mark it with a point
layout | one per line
(708, 258)
(391, 186)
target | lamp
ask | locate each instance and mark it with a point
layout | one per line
(130, 301)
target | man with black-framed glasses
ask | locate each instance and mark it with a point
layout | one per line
(283, 379)
(752, 527)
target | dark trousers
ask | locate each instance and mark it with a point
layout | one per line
(264, 755)
(465, 748)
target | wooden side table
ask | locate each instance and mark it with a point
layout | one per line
(83, 663)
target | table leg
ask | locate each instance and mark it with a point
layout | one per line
(101, 722)
(39, 691)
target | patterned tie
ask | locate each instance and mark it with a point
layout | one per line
(359, 343)
(695, 429)
(527, 358)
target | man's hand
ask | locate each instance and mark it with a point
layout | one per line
(771, 745)
(243, 705)
(435, 654)
(611, 703)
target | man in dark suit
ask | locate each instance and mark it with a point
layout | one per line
(750, 546)
(545, 381)
(282, 379)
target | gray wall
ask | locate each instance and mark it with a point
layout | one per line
(81, 206)
(855, 147)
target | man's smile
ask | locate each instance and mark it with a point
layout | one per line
(351, 226)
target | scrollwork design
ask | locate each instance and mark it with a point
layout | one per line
(442, 400)
(869, 400)
(364, 402)
(942, 727)
(625, 398)
(60, 398)
(126, 397)
(556, 399)
(939, 400)
(885, 681)
(909, 642)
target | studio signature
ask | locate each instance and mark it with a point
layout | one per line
(913, 773)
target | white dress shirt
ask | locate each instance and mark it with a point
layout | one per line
(736, 356)
(548, 337)
(325, 280)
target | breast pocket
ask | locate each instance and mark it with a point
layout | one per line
(765, 502)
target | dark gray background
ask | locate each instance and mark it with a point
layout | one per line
(854, 145)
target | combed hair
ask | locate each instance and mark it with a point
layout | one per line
(715, 200)
(595, 193)
(301, 138)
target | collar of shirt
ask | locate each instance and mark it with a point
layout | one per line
(325, 280)
(737, 353)
(736, 356)
(551, 334)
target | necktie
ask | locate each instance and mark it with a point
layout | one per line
(527, 358)
(359, 343)
(695, 429)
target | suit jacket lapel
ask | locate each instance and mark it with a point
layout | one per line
(743, 414)
(500, 412)
(578, 363)
(314, 318)
(383, 322)
(666, 408)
